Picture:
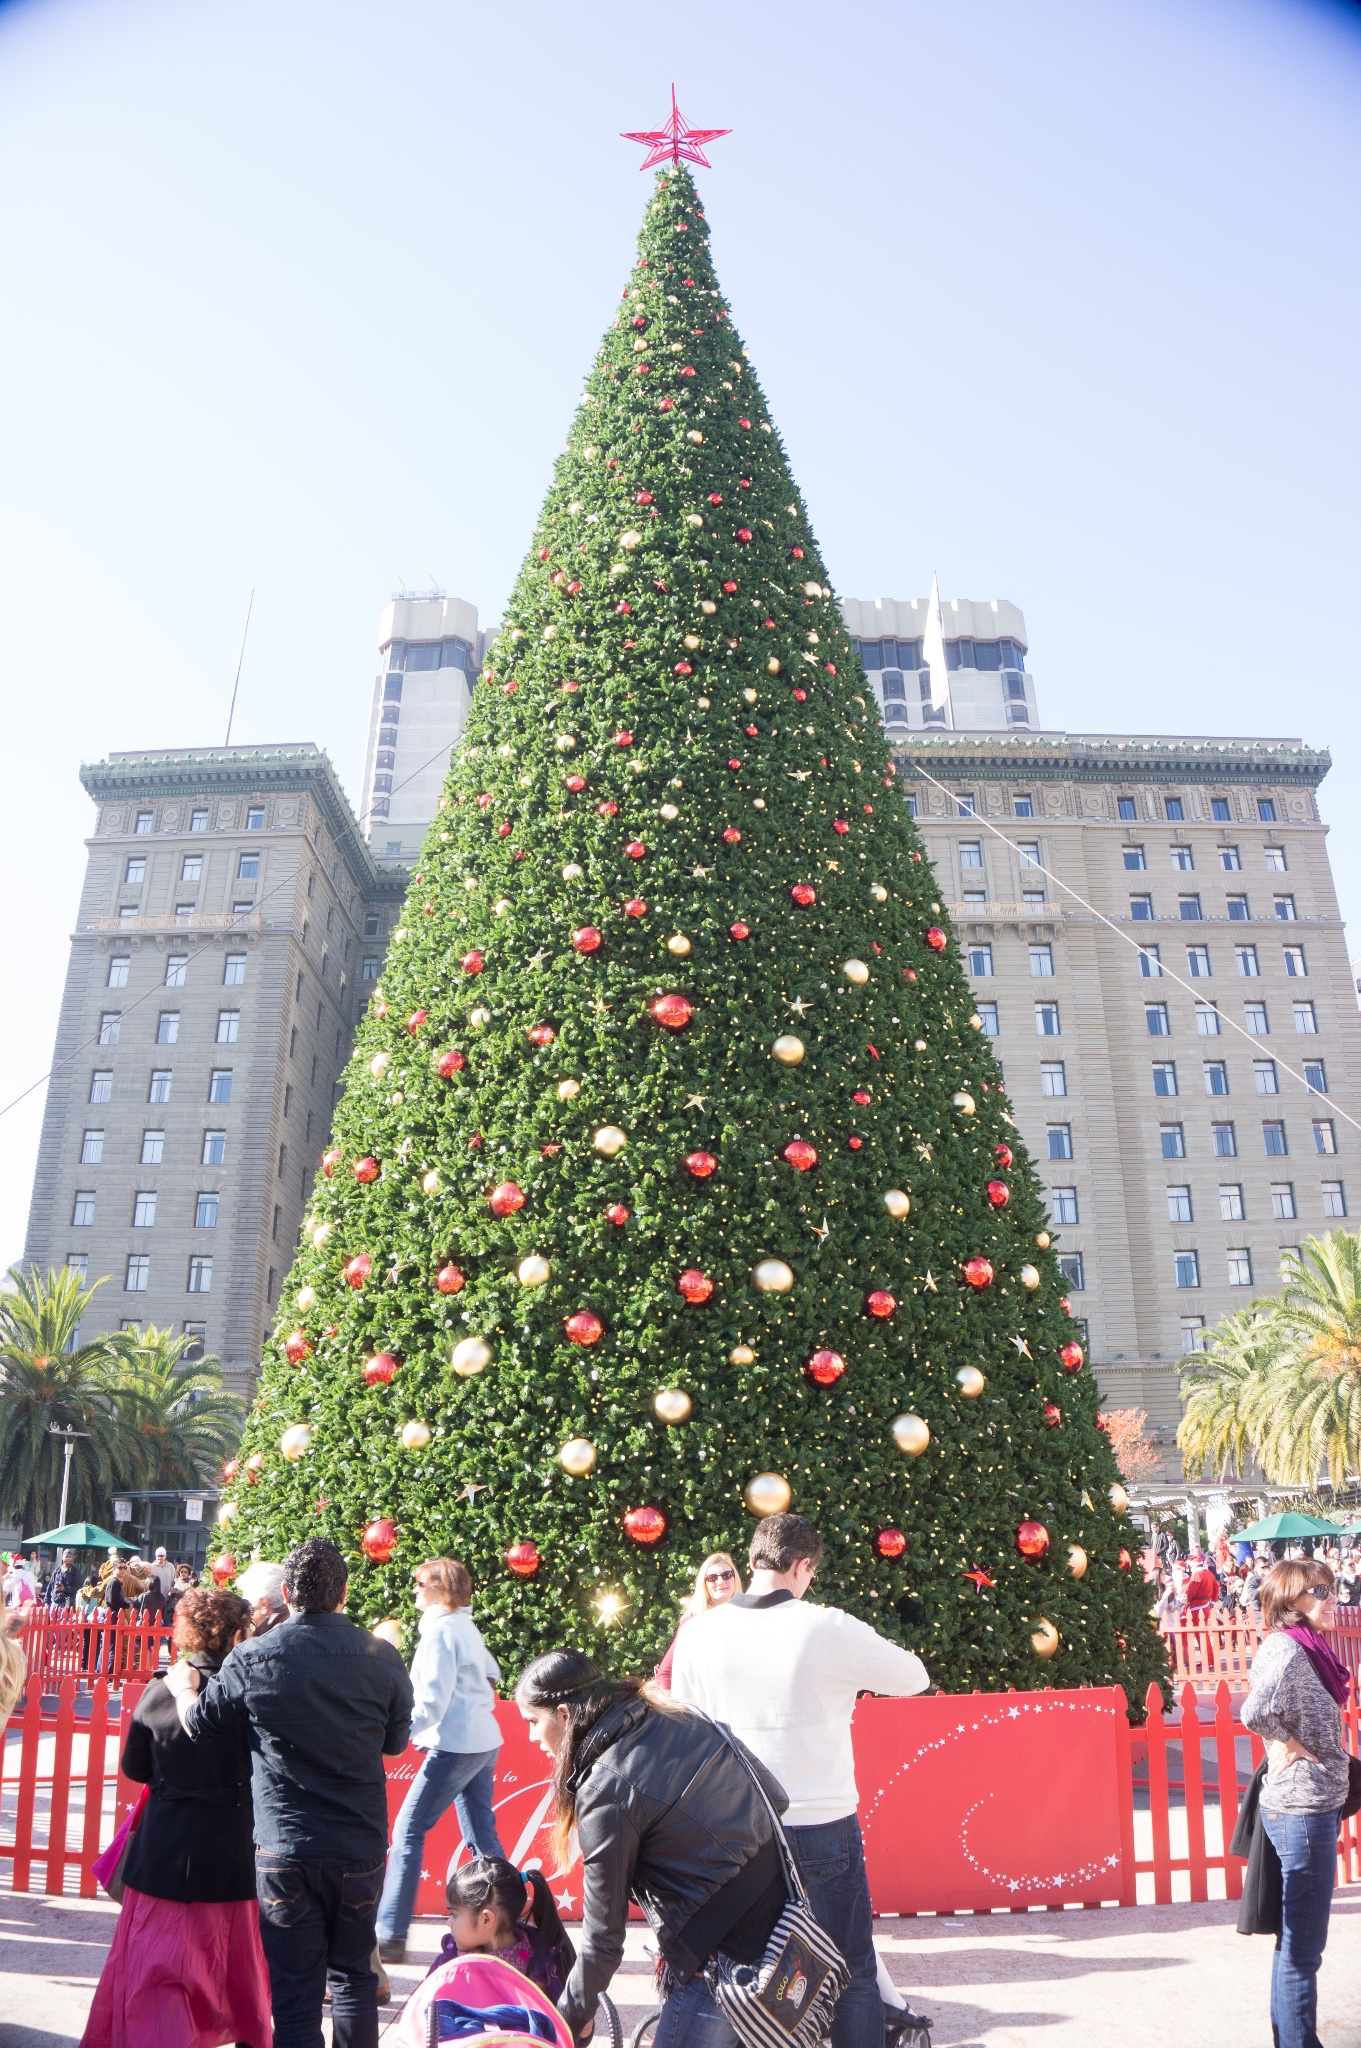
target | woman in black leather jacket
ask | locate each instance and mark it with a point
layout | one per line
(667, 1814)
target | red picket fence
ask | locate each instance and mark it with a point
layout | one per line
(1218, 1643)
(56, 1645)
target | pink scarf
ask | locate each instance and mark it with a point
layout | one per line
(1332, 1672)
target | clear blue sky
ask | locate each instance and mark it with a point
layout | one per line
(1060, 296)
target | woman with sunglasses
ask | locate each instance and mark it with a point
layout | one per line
(715, 1581)
(1299, 1688)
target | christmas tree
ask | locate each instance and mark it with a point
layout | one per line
(674, 1180)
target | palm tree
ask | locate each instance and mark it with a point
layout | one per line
(186, 1419)
(50, 1380)
(1222, 1387)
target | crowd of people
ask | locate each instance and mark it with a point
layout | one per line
(1229, 1574)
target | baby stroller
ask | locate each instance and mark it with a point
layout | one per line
(481, 2001)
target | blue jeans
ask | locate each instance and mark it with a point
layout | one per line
(445, 1778)
(1307, 1846)
(831, 1860)
(316, 1926)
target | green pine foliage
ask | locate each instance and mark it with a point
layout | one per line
(673, 734)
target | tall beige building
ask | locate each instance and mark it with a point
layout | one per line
(430, 650)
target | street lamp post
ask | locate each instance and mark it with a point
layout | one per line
(69, 1435)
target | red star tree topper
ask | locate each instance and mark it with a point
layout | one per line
(677, 140)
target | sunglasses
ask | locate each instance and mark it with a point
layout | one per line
(717, 1578)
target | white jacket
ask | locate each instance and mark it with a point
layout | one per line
(453, 1675)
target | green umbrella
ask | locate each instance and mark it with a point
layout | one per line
(1283, 1529)
(80, 1536)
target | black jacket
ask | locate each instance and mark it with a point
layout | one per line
(63, 1585)
(193, 1842)
(666, 1813)
(321, 1703)
(1259, 1909)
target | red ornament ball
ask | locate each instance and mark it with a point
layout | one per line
(999, 1194)
(1126, 1561)
(1065, 1304)
(673, 1011)
(473, 962)
(935, 939)
(739, 930)
(230, 1470)
(607, 809)
(635, 849)
(694, 1285)
(731, 835)
(505, 1198)
(824, 1368)
(415, 1021)
(801, 1154)
(224, 1569)
(522, 1559)
(617, 1214)
(800, 696)
(635, 907)
(1032, 1539)
(645, 1526)
(542, 1034)
(881, 1303)
(297, 1347)
(381, 1369)
(734, 765)
(700, 1164)
(576, 783)
(379, 1540)
(449, 1279)
(330, 1161)
(803, 894)
(587, 939)
(358, 1270)
(450, 1063)
(366, 1169)
(583, 1328)
(840, 825)
(1003, 1155)
(623, 739)
(1052, 1416)
(862, 1096)
(744, 532)
(683, 668)
(729, 588)
(978, 1273)
(890, 1543)
(1071, 1357)
(854, 1144)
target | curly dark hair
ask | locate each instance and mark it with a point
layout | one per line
(208, 1621)
(315, 1577)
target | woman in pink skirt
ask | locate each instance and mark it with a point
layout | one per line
(186, 1969)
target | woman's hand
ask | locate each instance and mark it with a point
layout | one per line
(1281, 1755)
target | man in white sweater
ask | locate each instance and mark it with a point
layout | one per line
(784, 1678)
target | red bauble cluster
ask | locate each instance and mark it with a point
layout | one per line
(297, 1347)
(881, 1303)
(890, 1543)
(694, 1285)
(1032, 1539)
(366, 1169)
(358, 1269)
(449, 1279)
(583, 1328)
(382, 1368)
(801, 1154)
(587, 939)
(522, 1559)
(824, 1368)
(978, 1273)
(505, 1198)
(999, 1194)
(673, 1012)
(379, 1540)
(645, 1526)
(700, 1164)
(1071, 1357)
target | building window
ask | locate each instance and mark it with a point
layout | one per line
(110, 1024)
(1238, 910)
(1284, 907)
(79, 1264)
(1172, 810)
(1164, 1077)
(101, 1086)
(971, 853)
(255, 818)
(158, 1088)
(1225, 1141)
(1275, 859)
(1187, 1266)
(1182, 857)
(1305, 1019)
(964, 806)
(1240, 1267)
(1295, 963)
(1283, 1201)
(168, 1027)
(176, 967)
(1134, 857)
(1246, 958)
(1173, 1141)
(371, 925)
(1141, 909)
(135, 872)
(118, 971)
(369, 971)
(144, 1209)
(1189, 907)
(909, 798)
(1047, 1023)
(1035, 898)
(1216, 1078)
(92, 1148)
(1070, 1268)
(1266, 810)
(1325, 1136)
(200, 1275)
(1022, 807)
(1155, 1017)
(293, 1042)
(198, 821)
(1053, 1078)
(244, 908)
(137, 1275)
(247, 867)
(1255, 1018)
(214, 1148)
(234, 970)
(1264, 1077)
(1231, 1202)
(1042, 960)
(1060, 1141)
(980, 960)
(205, 1212)
(83, 1210)
(191, 868)
(1179, 1205)
(1029, 852)
(220, 1085)
(1334, 1198)
(1198, 962)
(1219, 809)
(1063, 1205)
(283, 1161)
(1273, 1137)
(153, 1148)
(1230, 859)
(988, 1015)
(1150, 963)
(1193, 1333)
(228, 1026)
(144, 822)
(1127, 808)
(1315, 1077)
(1207, 1020)
(197, 1333)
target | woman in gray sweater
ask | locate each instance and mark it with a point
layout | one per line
(1299, 1688)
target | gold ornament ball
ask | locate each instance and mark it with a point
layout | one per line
(295, 1442)
(534, 1271)
(430, 1185)
(227, 1513)
(501, 906)
(470, 1356)
(976, 1022)
(610, 1140)
(577, 1456)
(897, 1203)
(773, 666)
(919, 1045)
(415, 1436)
(964, 1102)
(703, 703)
(970, 1381)
(1119, 1499)
(767, 1494)
(1044, 1639)
(479, 1018)
(788, 1050)
(749, 696)
(1029, 1277)
(878, 892)
(572, 873)
(741, 1354)
(673, 1405)
(692, 641)
(1077, 1560)
(678, 944)
(307, 1297)
(388, 1632)
(911, 1435)
(320, 1235)
(669, 812)
(568, 1090)
(772, 1276)
(1042, 1239)
(855, 972)
(379, 1064)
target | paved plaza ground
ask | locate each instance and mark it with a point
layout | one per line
(1140, 1977)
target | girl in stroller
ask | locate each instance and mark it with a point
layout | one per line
(502, 1964)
